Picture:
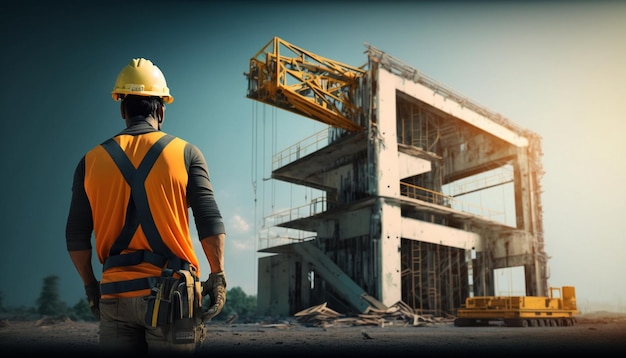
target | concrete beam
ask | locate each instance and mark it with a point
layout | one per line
(447, 105)
(441, 235)
(409, 165)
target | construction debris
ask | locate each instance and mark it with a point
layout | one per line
(399, 314)
(51, 320)
(366, 335)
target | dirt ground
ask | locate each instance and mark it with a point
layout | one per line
(595, 334)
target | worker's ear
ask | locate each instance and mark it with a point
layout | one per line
(161, 114)
(123, 109)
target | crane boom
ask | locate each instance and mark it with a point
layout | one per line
(307, 84)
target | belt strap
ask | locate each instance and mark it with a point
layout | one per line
(137, 257)
(134, 258)
(190, 284)
(128, 285)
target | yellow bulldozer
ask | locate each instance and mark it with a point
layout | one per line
(559, 309)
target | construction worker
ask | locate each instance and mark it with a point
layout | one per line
(133, 192)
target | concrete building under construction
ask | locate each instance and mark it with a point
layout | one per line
(400, 154)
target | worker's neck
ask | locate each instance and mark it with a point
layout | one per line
(142, 119)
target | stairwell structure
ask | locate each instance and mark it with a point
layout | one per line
(385, 229)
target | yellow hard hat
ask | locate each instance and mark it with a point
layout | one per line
(141, 77)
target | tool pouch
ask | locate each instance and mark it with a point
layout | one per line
(172, 305)
(160, 300)
(184, 308)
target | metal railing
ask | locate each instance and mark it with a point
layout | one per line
(300, 149)
(276, 236)
(315, 206)
(502, 175)
(435, 197)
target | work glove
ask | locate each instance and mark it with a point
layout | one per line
(215, 287)
(93, 298)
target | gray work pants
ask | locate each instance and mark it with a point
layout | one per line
(123, 328)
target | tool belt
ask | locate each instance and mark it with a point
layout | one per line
(174, 305)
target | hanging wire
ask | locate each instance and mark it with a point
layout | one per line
(253, 159)
(254, 175)
(274, 150)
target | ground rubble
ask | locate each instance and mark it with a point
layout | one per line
(399, 314)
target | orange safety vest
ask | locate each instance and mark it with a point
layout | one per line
(136, 187)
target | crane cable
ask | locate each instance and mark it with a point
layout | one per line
(258, 148)
(254, 174)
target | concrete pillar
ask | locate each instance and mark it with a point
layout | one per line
(384, 153)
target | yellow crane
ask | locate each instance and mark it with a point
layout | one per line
(288, 77)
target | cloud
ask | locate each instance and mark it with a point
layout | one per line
(238, 225)
(240, 245)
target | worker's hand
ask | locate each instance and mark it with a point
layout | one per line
(215, 287)
(93, 298)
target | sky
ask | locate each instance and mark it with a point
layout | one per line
(557, 68)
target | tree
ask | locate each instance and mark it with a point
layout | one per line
(48, 302)
(237, 303)
(81, 311)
